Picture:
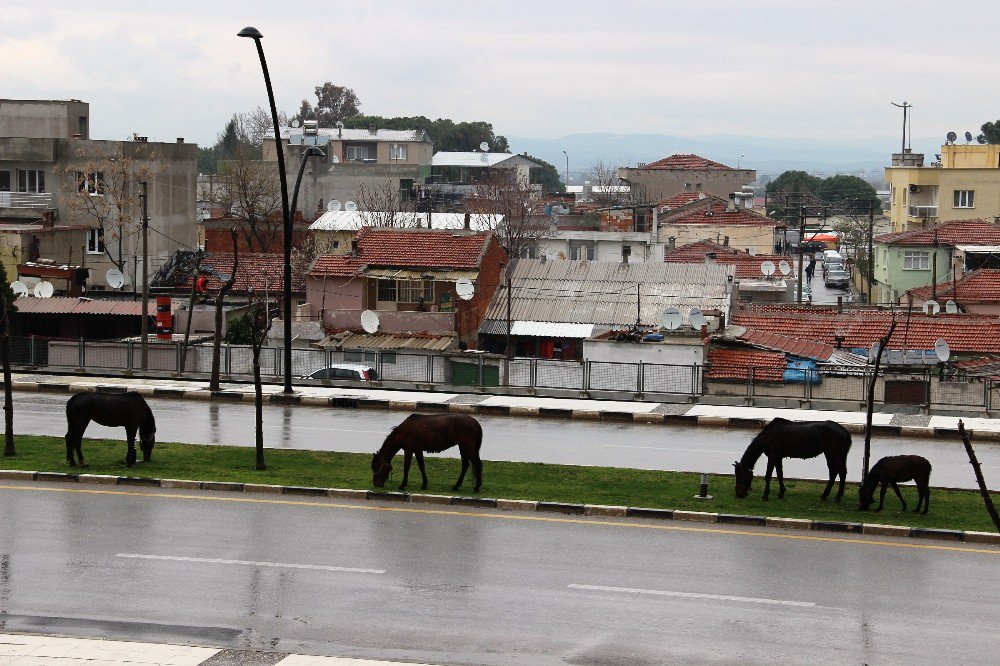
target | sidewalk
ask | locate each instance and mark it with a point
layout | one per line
(664, 413)
(35, 650)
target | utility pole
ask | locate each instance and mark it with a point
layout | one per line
(871, 252)
(934, 267)
(144, 329)
(904, 106)
(802, 238)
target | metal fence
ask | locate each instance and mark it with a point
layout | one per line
(928, 388)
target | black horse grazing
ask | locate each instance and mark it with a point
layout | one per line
(782, 438)
(892, 470)
(431, 433)
(110, 409)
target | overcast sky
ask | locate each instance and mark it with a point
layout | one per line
(796, 68)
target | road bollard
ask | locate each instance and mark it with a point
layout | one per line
(703, 489)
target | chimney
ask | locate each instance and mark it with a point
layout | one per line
(725, 241)
(354, 248)
(543, 258)
(180, 139)
(731, 206)
(710, 258)
(468, 221)
(626, 253)
(672, 243)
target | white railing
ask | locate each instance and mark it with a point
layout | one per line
(25, 200)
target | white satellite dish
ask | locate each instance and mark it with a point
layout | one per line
(484, 146)
(951, 307)
(115, 278)
(767, 268)
(369, 321)
(696, 319)
(464, 288)
(932, 307)
(671, 319)
(333, 206)
(350, 206)
(19, 288)
(43, 290)
(296, 123)
(784, 267)
(941, 350)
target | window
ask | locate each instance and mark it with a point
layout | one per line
(31, 180)
(916, 261)
(356, 153)
(965, 198)
(528, 252)
(406, 291)
(4, 181)
(95, 241)
(398, 152)
(687, 186)
(581, 251)
(92, 183)
(697, 186)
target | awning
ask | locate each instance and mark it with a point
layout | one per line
(423, 274)
(538, 329)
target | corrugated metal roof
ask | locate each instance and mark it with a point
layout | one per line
(86, 306)
(546, 329)
(459, 159)
(352, 340)
(604, 293)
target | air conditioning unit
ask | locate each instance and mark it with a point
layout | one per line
(915, 188)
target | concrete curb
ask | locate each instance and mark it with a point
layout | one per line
(596, 414)
(873, 529)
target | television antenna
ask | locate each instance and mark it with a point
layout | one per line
(784, 267)
(350, 206)
(43, 290)
(951, 307)
(369, 321)
(941, 350)
(464, 288)
(19, 288)
(671, 319)
(767, 268)
(696, 319)
(115, 278)
(484, 146)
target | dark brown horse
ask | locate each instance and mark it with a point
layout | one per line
(782, 438)
(892, 470)
(430, 433)
(110, 409)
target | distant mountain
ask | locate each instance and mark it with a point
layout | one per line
(862, 157)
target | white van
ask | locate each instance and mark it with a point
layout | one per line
(832, 257)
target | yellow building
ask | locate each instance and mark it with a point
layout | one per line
(963, 184)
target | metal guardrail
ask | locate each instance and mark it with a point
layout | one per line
(927, 388)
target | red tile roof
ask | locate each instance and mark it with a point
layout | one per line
(716, 214)
(860, 328)
(256, 270)
(747, 265)
(955, 232)
(982, 286)
(817, 351)
(692, 162)
(735, 364)
(681, 199)
(422, 248)
(336, 266)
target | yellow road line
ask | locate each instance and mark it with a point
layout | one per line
(542, 519)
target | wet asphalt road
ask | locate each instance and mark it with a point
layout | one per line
(695, 449)
(479, 587)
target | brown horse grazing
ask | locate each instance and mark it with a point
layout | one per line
(110, 409)
(892, 470)
(782, 438)
(431, 433)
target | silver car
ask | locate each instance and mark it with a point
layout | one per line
(837, 278)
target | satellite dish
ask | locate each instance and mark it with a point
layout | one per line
(115, 278)
(951, 136)
(333, 206)
(696, 319)
(941, 350)
(784, 267)
(350, 206)
(484, 146)
(464, 288)
(369, 321)
(767, 268)
(951, 307)
(296, 123)
(19, 288)
(968, 137)
(671, 319)
(932, 307)
(43, 289)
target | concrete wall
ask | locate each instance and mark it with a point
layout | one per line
(437, 323)
(656, 184)
(44, 119)
(759, 239)
(334, 293)
(893, 280)
(689, 351)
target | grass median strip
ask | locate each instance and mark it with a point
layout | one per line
(536, 482)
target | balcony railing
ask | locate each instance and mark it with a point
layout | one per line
(923, 212)
(25, 200)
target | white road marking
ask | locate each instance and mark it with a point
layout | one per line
(277, 565)
(693, 595)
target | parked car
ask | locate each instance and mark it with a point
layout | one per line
(833, 266)
(352, 371)
(837, 278)
(832, 257)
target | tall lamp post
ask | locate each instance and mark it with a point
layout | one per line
(567, 167)
(256, 36)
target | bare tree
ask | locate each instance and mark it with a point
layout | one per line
(104, 188)
(219, 299)
(978, 469)
(198, 256)
(260, 324)
(380, 205)
(250, 191)
(7, 305)
(508, 207)
(604, 184)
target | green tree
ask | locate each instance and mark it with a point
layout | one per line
(448, 135)
(546, 175)
(840, 189)
(240, 331)
(794, 182)
(333, 103)
(990, 133)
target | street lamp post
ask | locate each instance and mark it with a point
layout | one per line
(311, 151)
(567, 167)
(256, 36)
